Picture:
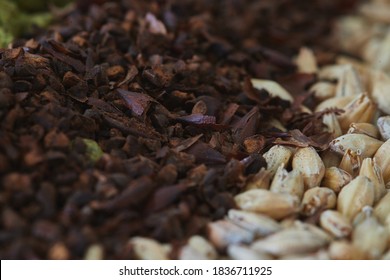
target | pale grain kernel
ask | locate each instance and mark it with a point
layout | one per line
(260, 180)
(291, 241)
(223, 233)
(198, 248)
(351, 162)
(383, 124)
(380, 90)
(58, 252)
(359, 143)
(147, 249)
(323, 90)
(94, 252)
(242, 252)
(306, 61)
(316, 199)
(354, 196)
(335, 179)
(288, 182)
(309, 164)
(361, 109)
(330, 158)
(275, 205)
(335, 223)
(372, 171)
(370, 237)
(331, 121)
(331, 72)
(273, 88)
(321, 254)
(258, 224)
(334, 102)
(382, 158)
(344, 250)
(364, 128)
(277, 156)
(382, 208)
(349, 82)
